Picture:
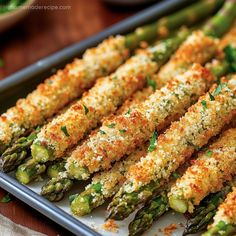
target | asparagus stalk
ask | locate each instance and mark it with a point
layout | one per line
(208, 173)
(145, 217)
(204, 213)
(55, 168)
(178, 143)
(187, 16)
(55, 188)
(17, 153)
(225, 219)
(154, 208)
(29, 171)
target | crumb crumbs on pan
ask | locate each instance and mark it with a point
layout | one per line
(169, 229)
(110, 225)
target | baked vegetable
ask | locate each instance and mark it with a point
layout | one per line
(211, 169)
(225, 218)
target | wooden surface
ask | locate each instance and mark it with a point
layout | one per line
(41, 33)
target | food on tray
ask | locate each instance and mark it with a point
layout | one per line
(149, 117)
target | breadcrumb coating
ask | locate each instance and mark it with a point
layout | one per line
(227, 210)
(209, 171)
(197, 48)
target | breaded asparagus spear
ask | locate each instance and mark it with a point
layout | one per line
(203, 214)
(104, 184)
(225, 219)
(208, 173)
(202, 121)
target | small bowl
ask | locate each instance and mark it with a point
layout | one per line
(8, 19)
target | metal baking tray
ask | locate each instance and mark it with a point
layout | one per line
(24, 81)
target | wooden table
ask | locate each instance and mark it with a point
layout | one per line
(41, 33)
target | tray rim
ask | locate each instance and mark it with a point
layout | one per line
(21, 191)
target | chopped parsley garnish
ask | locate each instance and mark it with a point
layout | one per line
(209, 153)
(1, 63)
(102, 132)
(204, 104)
(115, 77)
(176, 175)
(64, 130)
(86, 110)
(153, 142)
(151, 83)
(219, 88)
(122, 130)
(230, 55)
(212, 98)
(112, 125)
(97, 187)
(6, 198)
(72, 197)
(32, 136)
(128, 112)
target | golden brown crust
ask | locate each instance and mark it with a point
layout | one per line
(133, 129)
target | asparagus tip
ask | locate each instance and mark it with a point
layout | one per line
(40, 153)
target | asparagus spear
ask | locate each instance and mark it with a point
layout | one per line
(224, 222)
(55, 92)
(208, 173)
(152, 210)
(29, 170)
(204, 213)
(55, 168)
(17, 153)
(178, 143)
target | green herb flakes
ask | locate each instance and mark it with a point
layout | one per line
(64, 130)
(219, 88)
(153, 142)
(209, 153)
(151, 83)
(176, 175)
(204, 104)
(86, 110)
(6, 198)
(212, 98)
(122, 130)
(112, 125)
(102, 132)
(128, 112)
